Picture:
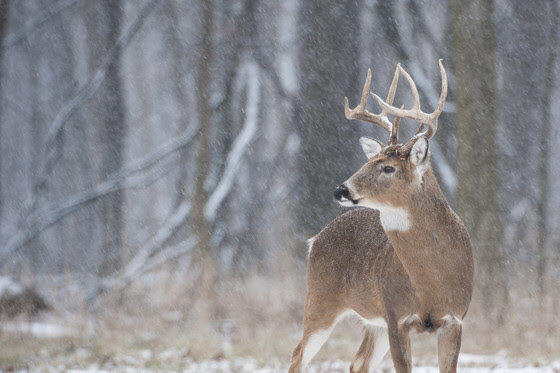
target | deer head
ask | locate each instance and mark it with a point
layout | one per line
(394, 172)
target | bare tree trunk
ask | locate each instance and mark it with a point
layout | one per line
(329, 71)
(200, 224)
(542, 214)
(474, 46)
(179, 72)
(4, 8)
(108, 129)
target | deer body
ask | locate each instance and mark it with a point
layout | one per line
(436, 253)
(404, 262)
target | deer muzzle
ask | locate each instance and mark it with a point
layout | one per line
(342, 195)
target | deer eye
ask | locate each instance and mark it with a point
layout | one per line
(388, 169)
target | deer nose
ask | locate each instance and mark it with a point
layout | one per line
(340, 192)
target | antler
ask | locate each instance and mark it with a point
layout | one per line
(415, 113)
(393, 140)
(360, 111)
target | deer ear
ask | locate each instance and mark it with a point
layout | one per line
(419, 152)
(370, 146)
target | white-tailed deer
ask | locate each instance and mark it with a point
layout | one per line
(404, 262)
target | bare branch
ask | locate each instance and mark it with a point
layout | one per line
(239, 145)
(85, 92)
(30, 26)
(145, 260)
(122, 280)
(56, 211)
(150, 247)
(169, 253)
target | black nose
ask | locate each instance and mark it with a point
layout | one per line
(341, 191)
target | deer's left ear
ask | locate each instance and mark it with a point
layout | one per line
(419, 152)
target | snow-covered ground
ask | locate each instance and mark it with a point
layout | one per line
(171, 360)
(468, 364)
(138, 362)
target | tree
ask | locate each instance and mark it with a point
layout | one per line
(551, 8)
(105, 114)
(474, 52)
(329, 59)
(4, 7)
(201, 227)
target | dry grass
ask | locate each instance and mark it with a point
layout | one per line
(529, 329)
(161, 321)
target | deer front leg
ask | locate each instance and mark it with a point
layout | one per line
(399, 342)
(449, 343)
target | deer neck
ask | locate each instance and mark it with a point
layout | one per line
(433, 245)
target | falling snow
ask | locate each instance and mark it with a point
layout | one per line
(163, 162)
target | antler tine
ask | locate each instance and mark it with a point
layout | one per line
(395, 130)
(365, 90)
(392, 89)
(360, 111)
(413, 89)
(415, 113)
(431, 131)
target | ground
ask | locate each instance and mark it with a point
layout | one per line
(44, 346)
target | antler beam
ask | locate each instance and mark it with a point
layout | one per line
(415, 113)
(360, 112)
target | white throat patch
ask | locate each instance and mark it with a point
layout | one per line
(392, 218)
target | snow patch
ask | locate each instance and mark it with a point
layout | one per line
(7, 285)
(38, 329)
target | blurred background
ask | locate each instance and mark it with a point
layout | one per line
(162, 163)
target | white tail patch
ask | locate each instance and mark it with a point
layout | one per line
(310, 243)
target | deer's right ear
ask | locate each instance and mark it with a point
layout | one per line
(370, 146)
(419, 152)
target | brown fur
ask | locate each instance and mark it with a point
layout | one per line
(425, 271)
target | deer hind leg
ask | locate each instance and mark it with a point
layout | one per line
(317, 328)
(372, 350)
(449, 343)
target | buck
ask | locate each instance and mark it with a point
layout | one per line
(402, 263)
